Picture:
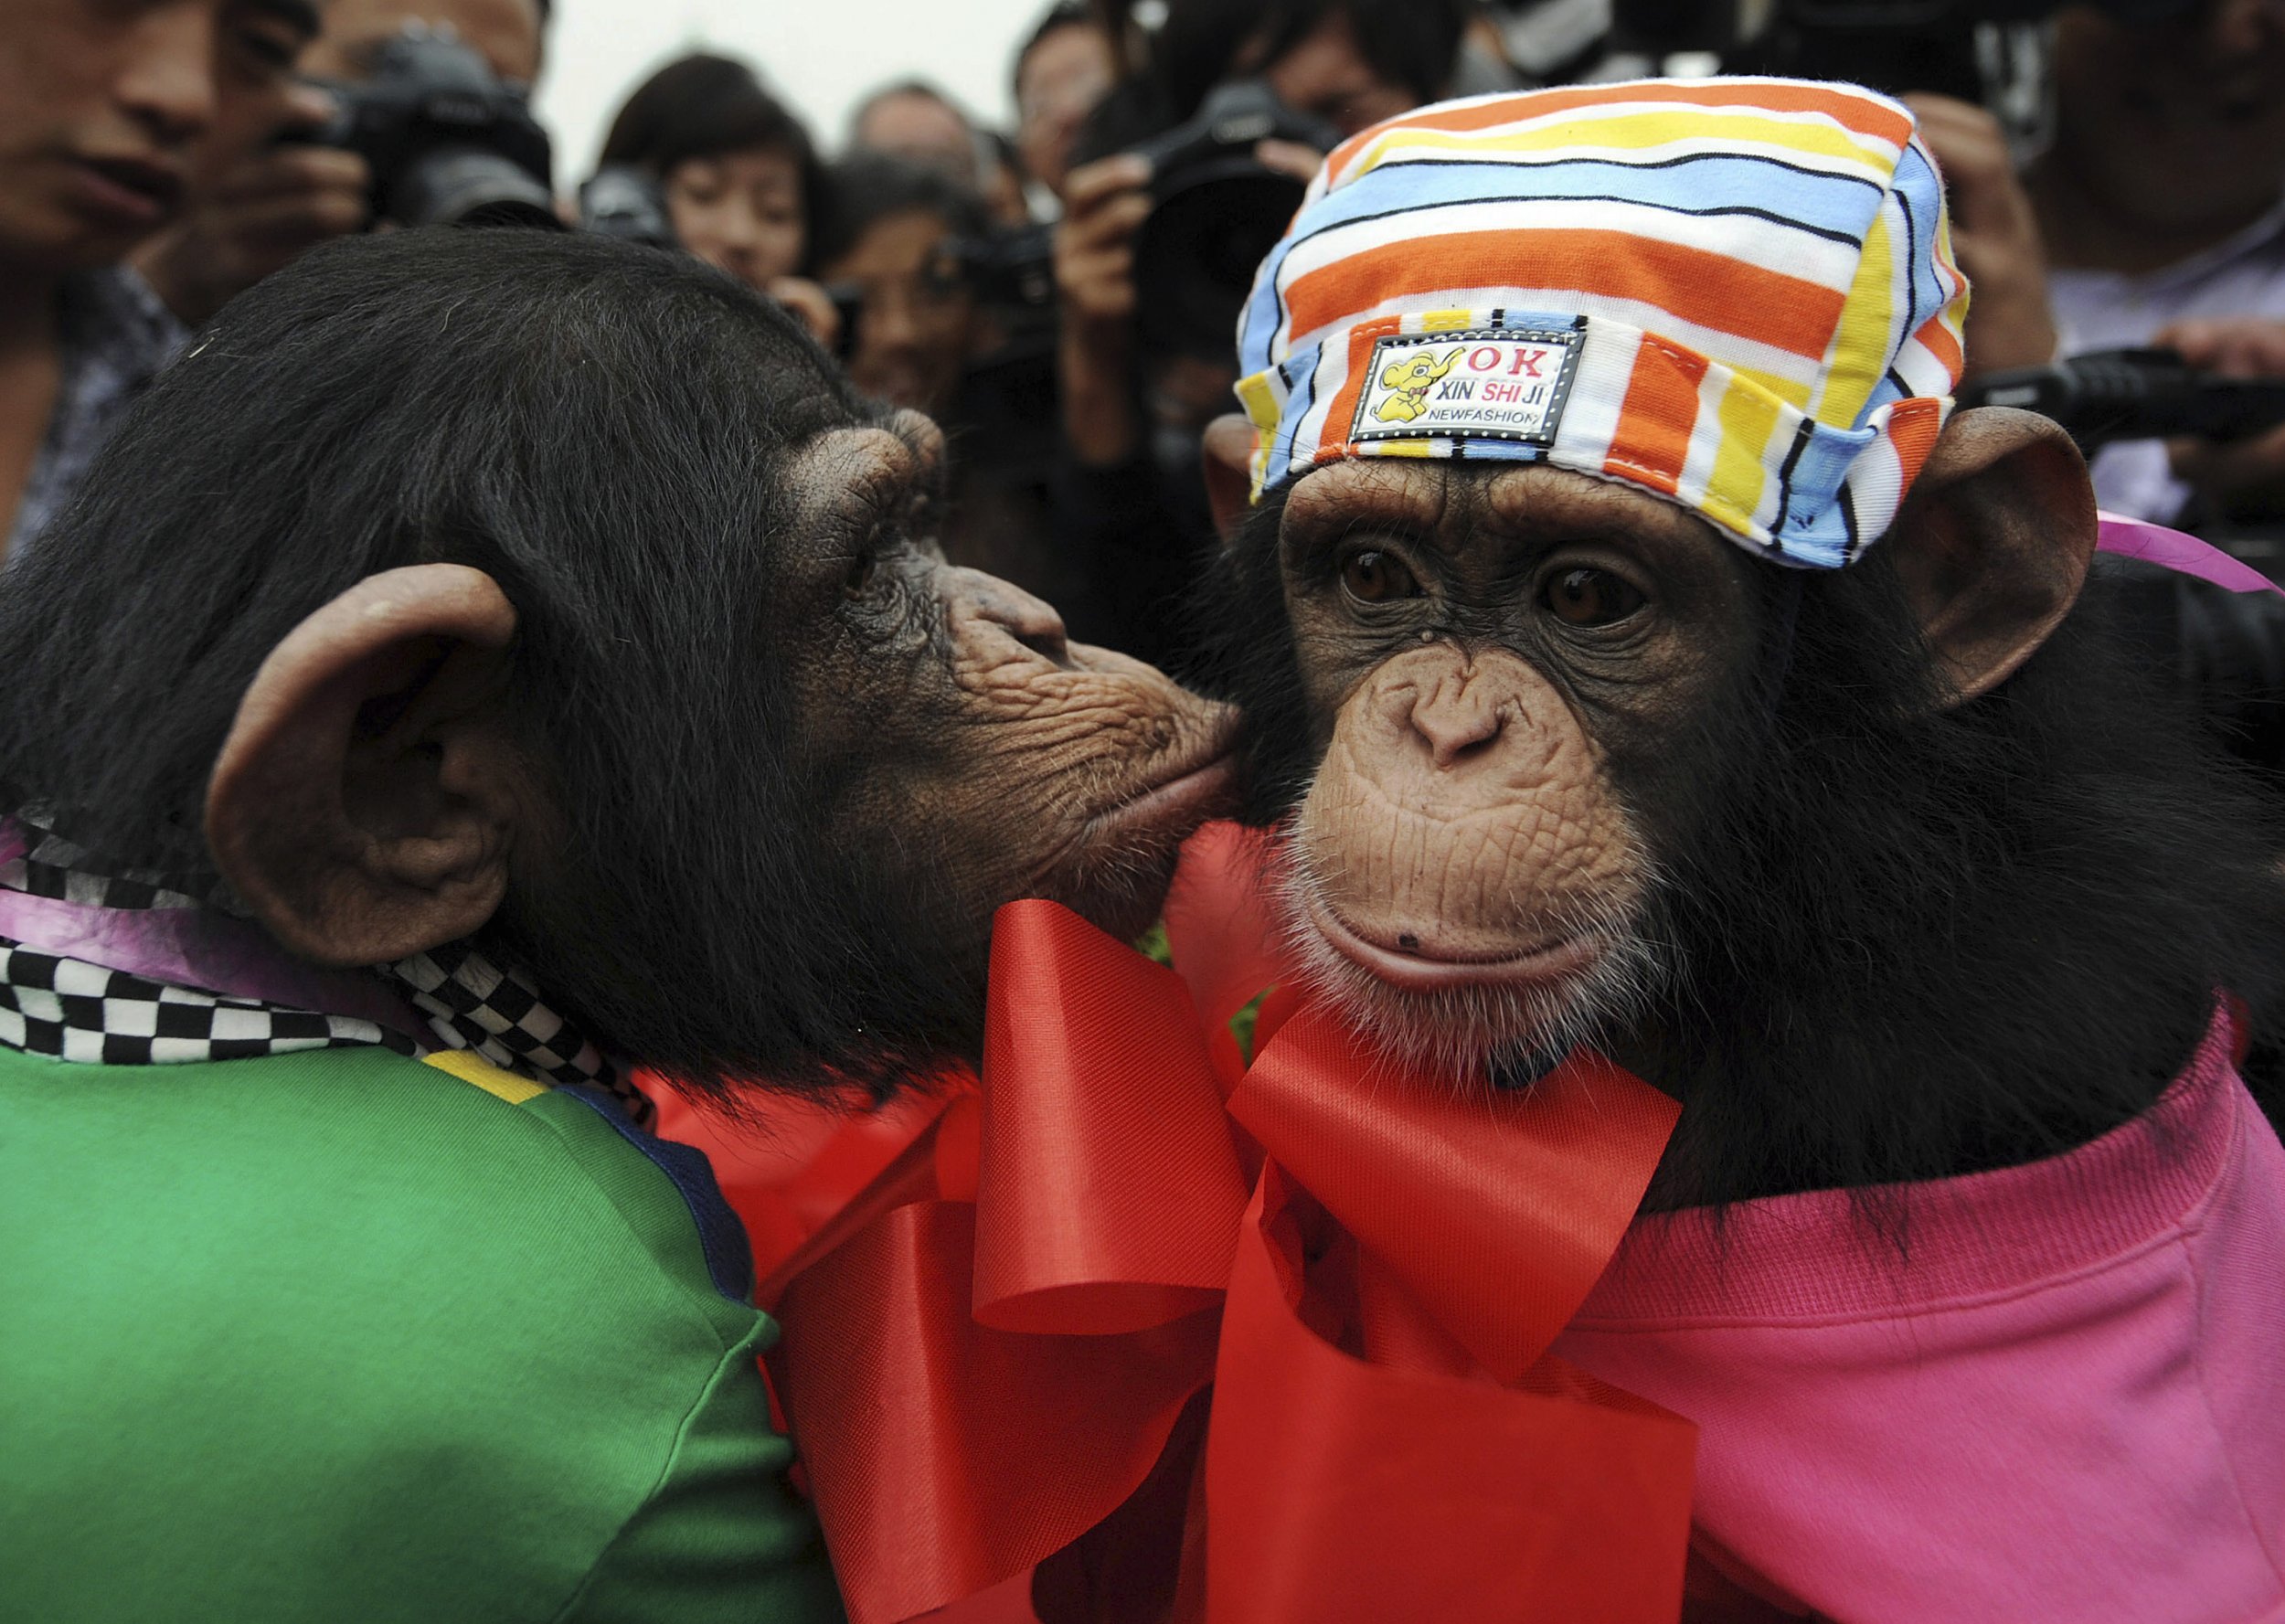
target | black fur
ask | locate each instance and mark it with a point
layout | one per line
(604, 429)
(1905, 941)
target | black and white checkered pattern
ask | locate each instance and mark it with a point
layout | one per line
(76, 1010)
(82, 1012)
(56, 867)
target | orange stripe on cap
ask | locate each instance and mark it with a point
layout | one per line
(1342, 413)
(1710, 290)
(1652, 439)
(1934, 337)
(1858, 113)
(1913, 425)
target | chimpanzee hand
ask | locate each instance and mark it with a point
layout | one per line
(257, 216)
(2242, 479)
(1994, 234)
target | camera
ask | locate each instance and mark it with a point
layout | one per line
(1217, 211)
(2134, 394)
(621, 201)
(1993, 53)
(447, 142)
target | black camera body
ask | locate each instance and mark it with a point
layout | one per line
(1217, 211)
(620, 200)
(1990, 52)
(447, 142)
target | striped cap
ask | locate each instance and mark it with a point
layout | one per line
(1738, 294)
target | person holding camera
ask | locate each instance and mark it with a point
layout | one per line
(905, 255)
(1148, 302)
(263, 212)
(736, 176)
(105, 117)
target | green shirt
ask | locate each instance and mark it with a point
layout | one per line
(342, 1336)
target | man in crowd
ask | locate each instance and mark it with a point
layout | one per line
(2156, 216)
(2162, 208)
(267, 209)
(106, 119)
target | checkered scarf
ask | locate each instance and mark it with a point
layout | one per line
(72, 1010)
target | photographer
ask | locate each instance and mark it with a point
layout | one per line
(738, 177)
(902, 251)
(1063, 71)
(2163, 205)
(1130, 499)
(103, 118)
(265, 210)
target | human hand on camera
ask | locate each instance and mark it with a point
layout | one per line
(810, 304)
(258, 214)
(2241, 479)
(1105, 202)
(1994, 235)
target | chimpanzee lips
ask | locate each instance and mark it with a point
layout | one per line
(1198, 783)
(1409, 966)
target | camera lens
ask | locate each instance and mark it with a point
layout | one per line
(463, 186)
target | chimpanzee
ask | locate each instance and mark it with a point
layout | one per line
(1667, 679)
(544, 620)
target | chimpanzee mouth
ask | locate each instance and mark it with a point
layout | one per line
(1409, 966)
(1199, 783)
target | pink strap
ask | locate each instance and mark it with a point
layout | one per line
(191, 947)
(2171, 550)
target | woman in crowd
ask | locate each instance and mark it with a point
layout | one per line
(740, 176)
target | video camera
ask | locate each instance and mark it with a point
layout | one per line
(620, 200)
(447, 142)
(2134, 394)
(1217, 211)
(1990, 52)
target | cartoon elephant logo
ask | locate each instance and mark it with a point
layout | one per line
(1411, 378)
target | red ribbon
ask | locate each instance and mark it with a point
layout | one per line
(994, 1345)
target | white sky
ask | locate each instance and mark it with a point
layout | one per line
(820, 56)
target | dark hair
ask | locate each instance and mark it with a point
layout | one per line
(608, 432)
(866, 187)
(704, 106)
(1063, 13)
(1413, 43)
(906, 87)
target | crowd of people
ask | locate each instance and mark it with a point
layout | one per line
(1059, 296)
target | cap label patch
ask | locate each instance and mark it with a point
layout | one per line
(1491, 383)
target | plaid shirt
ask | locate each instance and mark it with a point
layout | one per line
(116, 337)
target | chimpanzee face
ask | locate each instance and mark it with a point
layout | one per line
(1502, 669)
(946, 704)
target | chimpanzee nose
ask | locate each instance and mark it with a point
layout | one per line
(1457, 714)
(1028, 620)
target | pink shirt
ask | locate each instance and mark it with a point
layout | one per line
(2068, 1402)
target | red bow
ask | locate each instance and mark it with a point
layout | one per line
(992, 1346)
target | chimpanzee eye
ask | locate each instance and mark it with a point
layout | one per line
(1375, 576)
(1590, 598)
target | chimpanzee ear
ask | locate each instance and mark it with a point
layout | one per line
(1994, 542)
(367, 799)
(1229, 478)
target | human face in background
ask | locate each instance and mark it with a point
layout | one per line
(1325, 74)
(1060, 82)
(741, 212)
(2179, 126)
(915, 316)
(104, 104)
(505, 33)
